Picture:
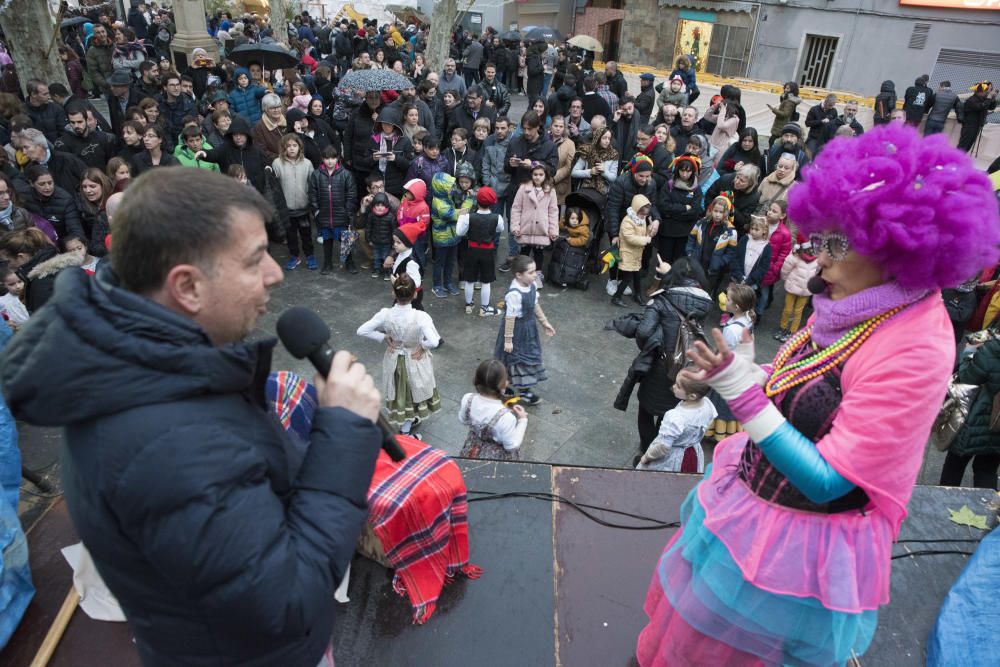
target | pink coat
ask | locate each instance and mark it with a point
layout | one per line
(781, 246)
(534, 216)
(797, 271)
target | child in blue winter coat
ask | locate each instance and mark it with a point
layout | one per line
(244, 99)
(712, 242)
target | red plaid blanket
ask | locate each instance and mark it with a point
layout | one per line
(419, 511)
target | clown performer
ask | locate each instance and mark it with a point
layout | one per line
(783, 556)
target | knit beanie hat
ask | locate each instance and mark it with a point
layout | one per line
(487, 196)
(792, 128)
(640, 163)
(410, 232)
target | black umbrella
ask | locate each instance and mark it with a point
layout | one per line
(270, 56)
(76, 20)
(510, 36)
(543, 34)
(374, 79)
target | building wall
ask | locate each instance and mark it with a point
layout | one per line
(872, 46)
(588, 22)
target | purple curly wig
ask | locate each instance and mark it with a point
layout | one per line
(916, 206)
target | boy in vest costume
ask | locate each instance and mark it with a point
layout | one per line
(405, 261)
(481, 228)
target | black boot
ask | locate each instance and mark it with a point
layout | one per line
(327, 267)
(349, 265)
(617, 301)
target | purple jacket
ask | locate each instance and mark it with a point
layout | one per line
(425, 168)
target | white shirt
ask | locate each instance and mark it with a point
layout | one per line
(512, 301)
(682, 427)
(754, 250)
(462, 226)
(412, 269)
(733, 331)
(404, 316)
(16, 312)
(508, 431)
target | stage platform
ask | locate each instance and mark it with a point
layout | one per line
(558, 588)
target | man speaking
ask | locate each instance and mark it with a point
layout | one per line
(173, 467)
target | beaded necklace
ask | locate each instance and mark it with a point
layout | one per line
(818, 363)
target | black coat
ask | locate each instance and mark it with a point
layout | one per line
(395, 170)
(250, 157)
(595, 105)
(95, 224)
(50, 118)
(358, 138)
(59, 209)
(658, 329)
(222, 544)
(333, 198)
(542, 150)
(620, 198)
(37, 290)
(461, 116)
(744, 203)
(66, 169)
(94, 150)
(678, 220)
(116, 113)
(618, 85)
(143, 162)
(814, 121)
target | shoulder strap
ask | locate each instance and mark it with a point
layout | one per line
(496, 417)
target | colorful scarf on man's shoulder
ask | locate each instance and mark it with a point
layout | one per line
(426, 538)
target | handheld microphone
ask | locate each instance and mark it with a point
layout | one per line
(816, 284)
(306, 336)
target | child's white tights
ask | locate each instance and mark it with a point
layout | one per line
(484, 293)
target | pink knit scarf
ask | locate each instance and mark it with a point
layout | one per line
(834, 318)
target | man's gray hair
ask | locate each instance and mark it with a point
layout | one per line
(270, 101)
(35, 136)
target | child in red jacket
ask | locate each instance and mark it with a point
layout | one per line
(780, 239)
(413, 209)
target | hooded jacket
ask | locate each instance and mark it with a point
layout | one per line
(358, 138)
(99, 64)
(885, 102)
(39, 275)
(333, 196)
(395, 170)
(784, 113)
(634, 235)
(424, 168)
(796, 272)
(620, 196)
(94, 150)
(246, 101)
(416, 209)
(379, 228)
(917, 101)
(493, 173)
(675, 198)
(444, 212)
(534, 216)
(217, 549)
(249, 156)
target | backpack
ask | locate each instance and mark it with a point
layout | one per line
(689, 331)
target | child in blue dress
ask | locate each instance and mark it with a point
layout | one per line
(518, 345)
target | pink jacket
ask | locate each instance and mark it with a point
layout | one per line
(781, 246)
(534, 216)
(796, 271)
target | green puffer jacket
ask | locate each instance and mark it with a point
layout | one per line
(447, 203)
(982, 368)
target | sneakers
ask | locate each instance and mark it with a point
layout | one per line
(529, 397)
(311, 263)
(293, 262)
(505, 267)
(327, 268)
(454, 290)
(488, 311)
(386, 275)
(439, 292)
(376, 273)
(539, 280)
(469, 308)
(782, 335)
(612, 287)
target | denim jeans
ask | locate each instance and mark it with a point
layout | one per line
(379, 252)
(546, 80)
(420, 251)
(513, 249)
(444, 262)
(932, 127)
(764, 296)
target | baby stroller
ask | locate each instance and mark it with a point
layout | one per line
(569, 264)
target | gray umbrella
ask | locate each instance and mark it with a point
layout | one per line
(374, 79)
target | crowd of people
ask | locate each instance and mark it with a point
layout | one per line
(438, 182)
(691, 212)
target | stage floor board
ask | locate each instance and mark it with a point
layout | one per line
(557, 589)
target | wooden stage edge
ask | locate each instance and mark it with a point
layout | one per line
(558, 589)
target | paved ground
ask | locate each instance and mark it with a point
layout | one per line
(575, 425)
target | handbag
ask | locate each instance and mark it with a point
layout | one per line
(347, 239)
(689, 331)
(954, 412)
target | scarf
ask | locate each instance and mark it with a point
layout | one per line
(271, 125)
(385, 145)
(127, 49)
(5, 214)
(48, 156)
(834, 318)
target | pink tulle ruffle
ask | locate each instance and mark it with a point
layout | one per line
(842, 559)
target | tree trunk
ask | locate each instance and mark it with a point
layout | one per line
(279, 24)
(28, 27)
(439, 40)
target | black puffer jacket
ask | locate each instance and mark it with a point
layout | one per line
(59, 209)
(50, 118)
(95, 223)
(678, 220)
(249, 156)
(982, 368)
(659, 325)
(220, 550)
(39, 275)
(333, 198)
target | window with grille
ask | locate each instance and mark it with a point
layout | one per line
(918, 39)
(817, 60)
(964, 69)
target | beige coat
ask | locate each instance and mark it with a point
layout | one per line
(564, 182)
(634, 235)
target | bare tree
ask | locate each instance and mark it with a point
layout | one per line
(442, 22)
(29, 28)
(279, 22)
